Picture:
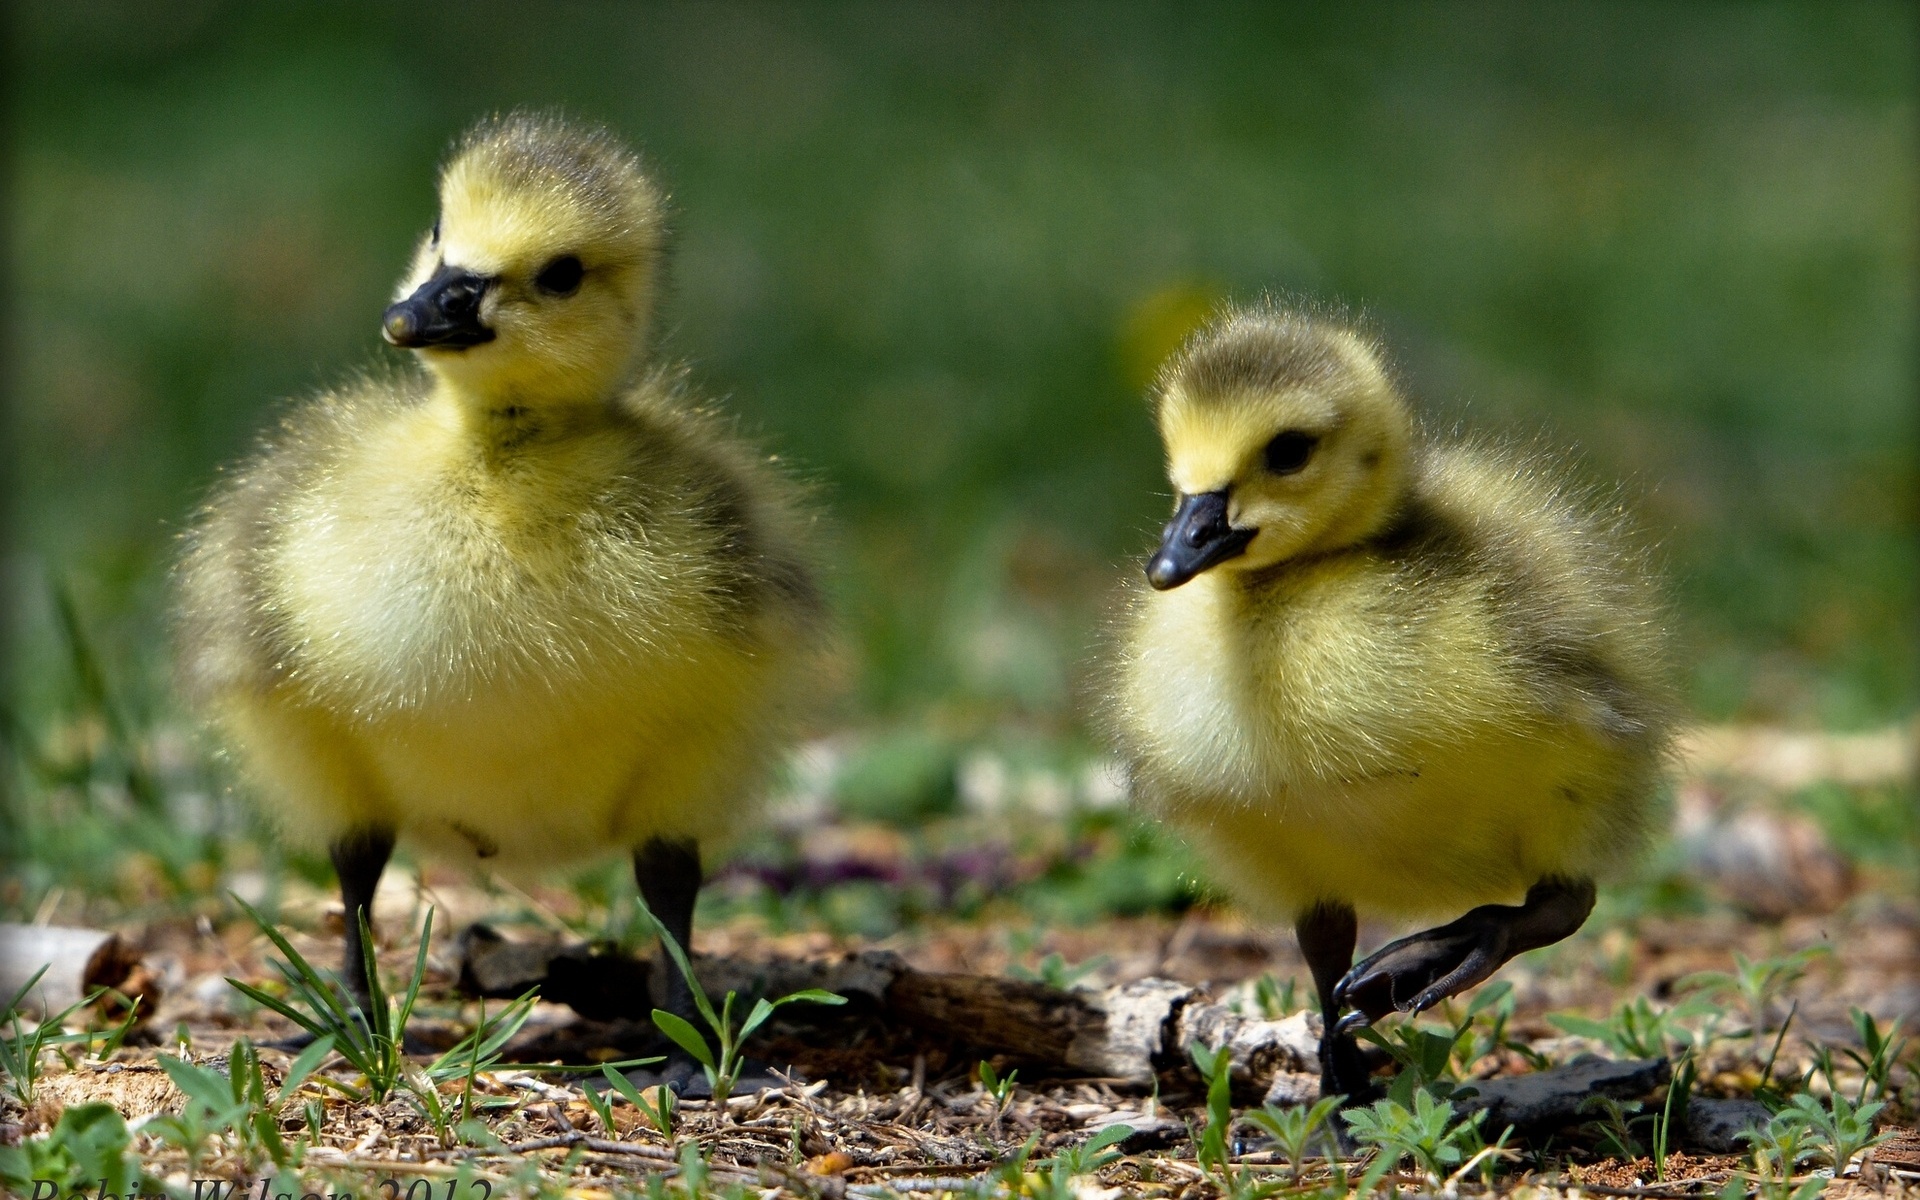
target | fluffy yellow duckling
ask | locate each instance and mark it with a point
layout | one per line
(1382, 673)
(529, 606)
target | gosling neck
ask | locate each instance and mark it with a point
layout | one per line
(503, 421)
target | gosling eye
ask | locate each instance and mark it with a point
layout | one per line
(1289, 451)
(561, 277)
(434, 238)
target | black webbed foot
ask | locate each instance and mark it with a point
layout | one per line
(1417, 972)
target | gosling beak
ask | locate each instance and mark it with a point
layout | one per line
(442, 313)
(1198, 537)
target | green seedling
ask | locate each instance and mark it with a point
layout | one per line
(721, 1058)
(998, 1087)
(1486, 1021)
(1879, 1051)
(1011, 1172)
(602, 1110)
(1275, 1000)
(1296, 1129)
(1213, 1145)
(371, 1040)
(1753, 985)
(237, 1105)
(1613, 1132)
(660, 1113)
(21, 1047)
(1092, 1155)
(1680, 1086)
(88, 1146)
(1779, 1146)
(1425, 1056)
(1058, 1178)
(1426, 1133)
(693, 1169)
(1838, 1130)
(1640, 1029)
(1056, 972)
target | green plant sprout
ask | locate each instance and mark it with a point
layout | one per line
(1425, 1132)
(238, 1104)
(1680, 1084)
(372, 1041)
(659, 1113)
(1056, 972)
(999, 1088)
(1880, 1050)
(1213, 1146)
(1487, 1018)
(21, 1048)
(90, 1144)
(1296, 1129)
(1613, 1131)
(721, 1060)
(1754, 984)
(1777, 1148)
(1059, 1177)
(1275, 1000)
(1838, 1130)
(1639, 1029)
(1425, 1056)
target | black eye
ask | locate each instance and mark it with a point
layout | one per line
(436, 231)
(1289, 451)
(561, 277)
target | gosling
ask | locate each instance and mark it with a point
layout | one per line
(529, 606)
(1378, 672)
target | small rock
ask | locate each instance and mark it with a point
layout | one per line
(1545, 1099)
(1716, 1125)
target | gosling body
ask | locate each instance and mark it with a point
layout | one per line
(525, 654)
(531, 606)
(1385, 674)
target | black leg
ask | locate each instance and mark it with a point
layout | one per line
(1417, 972)
(668, 873)
(359, 858)
(1327, 933)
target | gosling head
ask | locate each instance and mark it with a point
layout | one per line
(1284, 438)
(536, 283)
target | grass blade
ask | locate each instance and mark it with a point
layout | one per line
(685, 1036)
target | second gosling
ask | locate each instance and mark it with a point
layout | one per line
(531, 606)
(1380, 673)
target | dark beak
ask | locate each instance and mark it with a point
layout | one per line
(444, 312)
(1198, 537)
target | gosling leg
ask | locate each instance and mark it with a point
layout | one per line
(1417, 972)
(359, 858)
(1327, 933)
(668, 873)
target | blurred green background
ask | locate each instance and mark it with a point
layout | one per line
(931, 254)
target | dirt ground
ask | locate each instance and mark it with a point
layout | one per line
(875, 1104)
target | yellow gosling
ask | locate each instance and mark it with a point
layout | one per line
(528, 607)
(1380, 672)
